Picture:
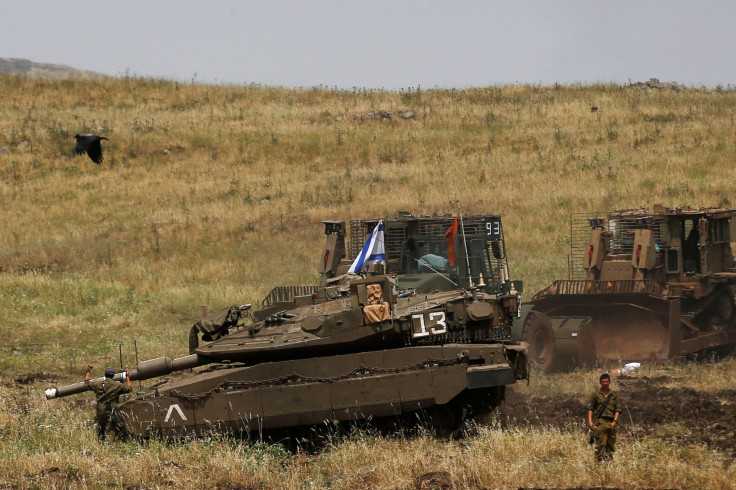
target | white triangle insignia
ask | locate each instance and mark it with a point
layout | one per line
(171, 409)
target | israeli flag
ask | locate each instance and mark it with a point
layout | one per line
(374, 251)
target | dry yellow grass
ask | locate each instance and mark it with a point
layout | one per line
(52, 445)
(211, 195)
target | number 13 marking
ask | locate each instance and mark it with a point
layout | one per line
(438, 317)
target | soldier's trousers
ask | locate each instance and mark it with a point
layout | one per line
(108, 419)
(103, 420)
(605, 440)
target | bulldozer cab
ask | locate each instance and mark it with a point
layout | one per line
(427, 256)
(420, 254)
(664, 245)
(417, 252)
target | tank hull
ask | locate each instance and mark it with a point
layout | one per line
(303, 392)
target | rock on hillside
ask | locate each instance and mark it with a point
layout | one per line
(44, 70)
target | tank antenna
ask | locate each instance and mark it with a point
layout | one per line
(465, 242)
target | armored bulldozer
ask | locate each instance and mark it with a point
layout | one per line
(644, 284)
(357, 346)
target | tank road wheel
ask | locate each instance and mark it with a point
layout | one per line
(481, 403)
(442, 421)
(538, 333)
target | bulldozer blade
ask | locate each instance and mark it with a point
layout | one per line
(622, 327)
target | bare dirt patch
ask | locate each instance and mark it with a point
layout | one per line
(682, 415)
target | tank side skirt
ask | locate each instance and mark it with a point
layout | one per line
(296, 399)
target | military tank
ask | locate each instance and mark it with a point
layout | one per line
(357, 346)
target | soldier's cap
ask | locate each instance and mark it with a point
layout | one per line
(109, 372)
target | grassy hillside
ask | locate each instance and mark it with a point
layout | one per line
(211, 195)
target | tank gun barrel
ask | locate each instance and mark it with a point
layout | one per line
(151, 368)
(162, 366)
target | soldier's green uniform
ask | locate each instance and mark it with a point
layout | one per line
(108, 395)
(604, 435)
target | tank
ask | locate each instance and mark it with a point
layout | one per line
(360, 345)
(643, 285)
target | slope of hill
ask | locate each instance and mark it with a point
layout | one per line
(45, 70)
(211, 195)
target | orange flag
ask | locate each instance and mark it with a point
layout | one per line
(450, 239)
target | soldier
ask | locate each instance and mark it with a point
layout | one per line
(607, 407)
(108, 393)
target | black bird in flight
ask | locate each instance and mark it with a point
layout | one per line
(89, 144)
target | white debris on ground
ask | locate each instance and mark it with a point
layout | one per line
(630, 367)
